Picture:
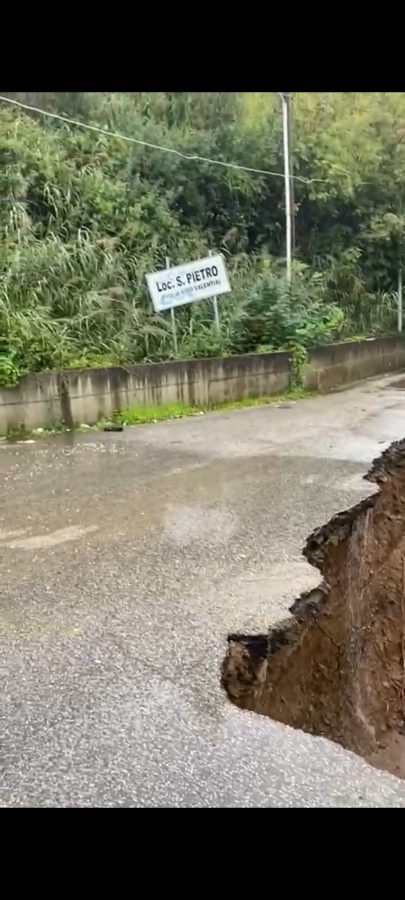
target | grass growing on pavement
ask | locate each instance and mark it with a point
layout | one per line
(143, 415)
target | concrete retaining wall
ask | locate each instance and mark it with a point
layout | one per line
(77, 396)
(339, 364)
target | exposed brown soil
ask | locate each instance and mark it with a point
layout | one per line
(337, 667)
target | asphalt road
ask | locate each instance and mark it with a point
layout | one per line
(125, 559)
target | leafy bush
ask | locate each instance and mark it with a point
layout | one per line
(279, 315)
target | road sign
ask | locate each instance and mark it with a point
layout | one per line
(187, 283)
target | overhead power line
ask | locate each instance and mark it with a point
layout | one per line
(123, 137)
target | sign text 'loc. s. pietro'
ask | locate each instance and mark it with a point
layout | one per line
(192, 281)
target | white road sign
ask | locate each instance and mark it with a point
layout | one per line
(184, 284)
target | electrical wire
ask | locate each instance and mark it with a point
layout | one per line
(132, 140)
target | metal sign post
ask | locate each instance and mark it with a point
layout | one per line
(174, 332)
(215, 304)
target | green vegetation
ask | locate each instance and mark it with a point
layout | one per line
(143, 415)
(140, 415)
(84, 216)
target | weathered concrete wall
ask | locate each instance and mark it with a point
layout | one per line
(339, 364)
(88, 395)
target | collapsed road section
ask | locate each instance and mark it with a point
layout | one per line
(336, 667)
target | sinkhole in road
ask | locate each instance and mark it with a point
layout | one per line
(336, 667)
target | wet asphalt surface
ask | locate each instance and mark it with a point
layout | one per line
(125, 559)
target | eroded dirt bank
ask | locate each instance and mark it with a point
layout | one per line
(337, 667)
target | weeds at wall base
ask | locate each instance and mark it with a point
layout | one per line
(144, 415)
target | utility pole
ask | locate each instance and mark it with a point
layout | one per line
(291, 160)
(286, 98)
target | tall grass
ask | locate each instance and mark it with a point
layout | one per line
(84, 218)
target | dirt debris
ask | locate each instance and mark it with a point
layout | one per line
(336, 667)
